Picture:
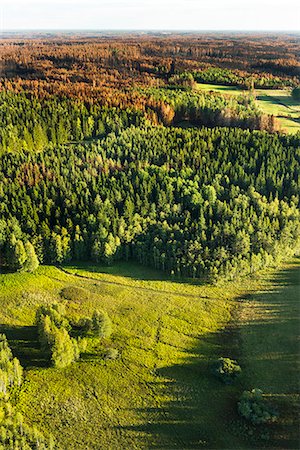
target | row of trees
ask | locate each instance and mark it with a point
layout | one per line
(32, 124)
(14, 432)
(245, 80)
(212, 202)
(209, 108)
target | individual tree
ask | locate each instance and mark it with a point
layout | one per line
(32, 262)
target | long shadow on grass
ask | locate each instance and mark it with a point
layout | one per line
(23, 341)
(202, 408)
(203, 412)
(133, 270)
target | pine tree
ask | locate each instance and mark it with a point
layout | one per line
(16, 256)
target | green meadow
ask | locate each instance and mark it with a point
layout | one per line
(277, 102)
(159, 392)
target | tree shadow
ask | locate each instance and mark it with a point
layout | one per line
(203, 411)
(134, 270)
(23, 341)
(203, 408)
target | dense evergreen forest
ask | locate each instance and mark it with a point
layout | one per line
(94, 166)
(215, 202)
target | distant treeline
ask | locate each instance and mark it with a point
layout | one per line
(29, 123)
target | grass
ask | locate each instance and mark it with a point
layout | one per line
(269, 330)
(277, 102)
(159, 393)
(223, 89)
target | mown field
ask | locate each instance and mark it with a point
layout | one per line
(160, 392)
(277, 102)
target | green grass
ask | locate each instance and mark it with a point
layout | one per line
(159, 393)
(223, 89)
(277, 102)
(269, 330)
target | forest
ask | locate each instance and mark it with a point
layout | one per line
(113, 156)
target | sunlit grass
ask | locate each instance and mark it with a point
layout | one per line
(160, 391)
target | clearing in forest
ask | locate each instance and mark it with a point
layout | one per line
(159, 392)
(277, 102)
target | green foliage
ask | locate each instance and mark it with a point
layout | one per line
(14, 433)
(101, 324)
(64, 349)
(208, 108)
(296, 93)
(31, 124)
(226, 370)
(253, 407)
(16, 253)
(111, 353)
(210, 203)
(11, 372)
(165, 330)
(31, 263)
(217, 75)
(54, 337)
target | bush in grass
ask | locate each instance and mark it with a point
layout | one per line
(253, 407)
(226, 369)
(65, 350)
(101, 324)
(85, 324)
(56, 312)
(111, 353)
(75, 293)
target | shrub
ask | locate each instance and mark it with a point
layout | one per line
(75, 293)
(85, 324)
(226, 369)
(101, 324)
(111, 353)
(253, 407)
(64, 350)
(56, 312)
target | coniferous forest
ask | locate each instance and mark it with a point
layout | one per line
(162, 153)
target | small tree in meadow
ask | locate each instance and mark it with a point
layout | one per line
(226, 369)
(101, 324)
(253, 407)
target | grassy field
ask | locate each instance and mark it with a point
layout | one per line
(277, 102)
(160, 392)
(270, 348)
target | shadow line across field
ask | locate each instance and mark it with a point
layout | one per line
(264, 338)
